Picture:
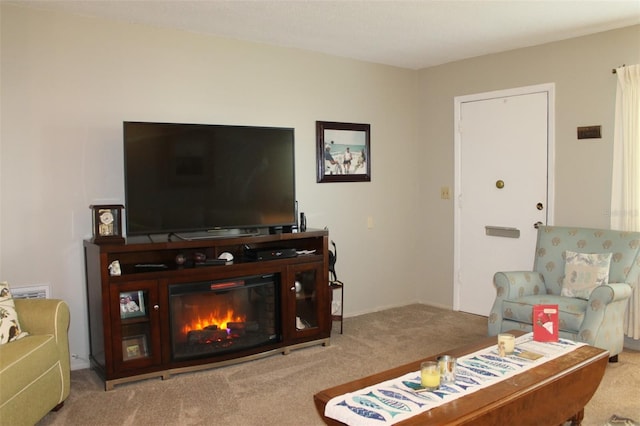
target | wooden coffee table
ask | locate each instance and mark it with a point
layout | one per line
(549, 394)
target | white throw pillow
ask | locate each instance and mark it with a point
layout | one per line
(583, 272)
(10, 329)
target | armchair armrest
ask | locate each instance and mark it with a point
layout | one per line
(611, 292)
(606, 305)
(43, 316)
(47, 316)
(511, 285)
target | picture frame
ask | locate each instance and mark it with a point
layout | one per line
(134, 347)
(132, 304)
(343, 152)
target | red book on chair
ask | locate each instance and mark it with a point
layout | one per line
(545, 323)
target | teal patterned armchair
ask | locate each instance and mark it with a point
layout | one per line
(598, 320)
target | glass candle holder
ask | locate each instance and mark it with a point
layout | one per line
(447, 365)
(430, 375)
(506, 344)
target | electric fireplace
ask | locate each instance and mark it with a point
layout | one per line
(213, 317)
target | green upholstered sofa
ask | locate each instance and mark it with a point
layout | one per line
(34, 370)
(598, 320)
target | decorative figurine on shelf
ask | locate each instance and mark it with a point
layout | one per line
(181, 259)
(333, 258)
(114, 269)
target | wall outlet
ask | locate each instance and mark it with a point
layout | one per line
(445, 193)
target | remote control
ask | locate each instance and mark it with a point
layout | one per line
(151, 265)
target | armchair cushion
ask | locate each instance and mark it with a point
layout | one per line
(571, 311)
(583, 272)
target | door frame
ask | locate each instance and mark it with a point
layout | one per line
(549, 89)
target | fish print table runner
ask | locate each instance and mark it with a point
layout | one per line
(396, 400)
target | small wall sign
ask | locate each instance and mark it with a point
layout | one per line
(590, 132)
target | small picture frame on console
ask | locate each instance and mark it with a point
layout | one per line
(343, 152)
(134, 347)
(132, 304)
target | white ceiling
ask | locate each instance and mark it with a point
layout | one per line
(408, 34)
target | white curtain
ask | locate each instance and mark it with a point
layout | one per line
(625, 191)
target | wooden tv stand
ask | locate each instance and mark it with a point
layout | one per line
(124, 349)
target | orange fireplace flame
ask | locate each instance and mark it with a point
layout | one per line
(217, 318)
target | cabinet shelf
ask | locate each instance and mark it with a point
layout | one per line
(126, 348)
(132, 321)
(129, 269)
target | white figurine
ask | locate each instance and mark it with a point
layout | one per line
(114, 268)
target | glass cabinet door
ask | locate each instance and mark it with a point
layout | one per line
(135, 340)
(305, 300)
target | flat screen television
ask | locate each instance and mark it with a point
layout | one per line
(201, 178)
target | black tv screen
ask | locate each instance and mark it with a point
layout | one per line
(201, 177)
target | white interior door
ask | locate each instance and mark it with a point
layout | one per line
(502, 180)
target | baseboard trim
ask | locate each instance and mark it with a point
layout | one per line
(79, 364)
(631, 344)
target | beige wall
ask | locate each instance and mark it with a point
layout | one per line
(585, 94)
(68, 82)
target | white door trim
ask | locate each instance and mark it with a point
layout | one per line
(549, 88)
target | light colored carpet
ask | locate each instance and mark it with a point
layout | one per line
(278, 390)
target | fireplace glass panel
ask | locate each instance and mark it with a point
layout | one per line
(209, 318)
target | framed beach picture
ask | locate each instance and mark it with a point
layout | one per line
(343, 152)
(132, 304)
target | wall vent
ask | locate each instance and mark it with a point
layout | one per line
(32, 292)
